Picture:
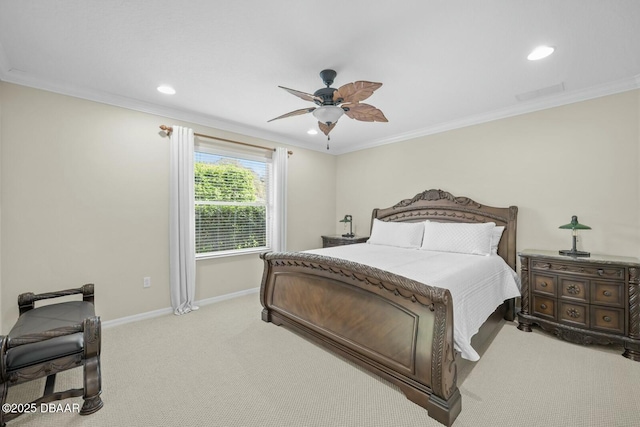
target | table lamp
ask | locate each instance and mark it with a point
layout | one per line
(574, 226)
(348, 218)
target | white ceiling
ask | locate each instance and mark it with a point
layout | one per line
(443, 64)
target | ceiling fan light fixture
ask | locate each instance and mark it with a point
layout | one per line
(540, 52)
(333, 103)
(328, 113)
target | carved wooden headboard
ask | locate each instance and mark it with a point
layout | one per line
(441, 206)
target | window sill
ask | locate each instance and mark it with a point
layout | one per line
(225, 254)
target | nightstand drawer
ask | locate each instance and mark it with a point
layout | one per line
(575, 290)
(607, 319)
(574, 314)
(586, 270)
(330, 241)
(545, 284)
(607, 293)
(544, 307)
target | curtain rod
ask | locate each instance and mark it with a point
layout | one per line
(169, 129)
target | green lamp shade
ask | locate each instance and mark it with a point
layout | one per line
(575, 225)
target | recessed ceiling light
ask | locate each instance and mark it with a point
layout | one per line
(540, 52)
(312, 132)
(167, 90)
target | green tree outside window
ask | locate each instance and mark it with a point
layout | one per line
(230, 207)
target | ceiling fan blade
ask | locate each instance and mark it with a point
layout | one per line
(355, 92)
(294, 113)
(326, 128)
(303, 95)
(364, 112)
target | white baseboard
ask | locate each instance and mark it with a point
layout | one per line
(213, 300)
(169, 310)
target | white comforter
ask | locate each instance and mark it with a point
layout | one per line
(478, 284)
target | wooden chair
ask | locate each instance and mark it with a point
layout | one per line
(51, 339)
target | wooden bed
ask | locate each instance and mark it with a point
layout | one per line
(395, 327)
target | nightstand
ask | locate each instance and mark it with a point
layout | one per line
(594, 300)
(337, 240)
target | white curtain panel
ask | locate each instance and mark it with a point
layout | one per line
(182, 256)
(279, 236)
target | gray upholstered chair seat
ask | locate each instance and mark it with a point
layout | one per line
(49, 339)
(46, 318)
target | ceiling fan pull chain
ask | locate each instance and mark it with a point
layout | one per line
(328, 139)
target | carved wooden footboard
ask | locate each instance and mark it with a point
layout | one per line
(391, 325)
(339, 304)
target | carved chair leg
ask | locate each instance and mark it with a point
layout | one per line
(4, 388)
(92, 386)
(91, 369)
(50, 385)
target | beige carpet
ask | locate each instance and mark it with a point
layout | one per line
(223, 366)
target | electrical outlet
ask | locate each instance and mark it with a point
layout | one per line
(146, 282)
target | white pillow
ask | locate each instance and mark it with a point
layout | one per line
(458, 237)
(496, 234)
(401, 234)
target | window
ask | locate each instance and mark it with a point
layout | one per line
(232, 202)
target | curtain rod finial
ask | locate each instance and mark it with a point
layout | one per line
(167, 129)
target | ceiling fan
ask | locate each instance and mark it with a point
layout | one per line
(333, 103)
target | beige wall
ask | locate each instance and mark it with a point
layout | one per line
(85, 199)
(85, 191)
(579, 159)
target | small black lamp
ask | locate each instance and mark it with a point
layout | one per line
(348, 218)
(574, 226)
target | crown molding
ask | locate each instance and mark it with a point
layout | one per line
(538, 104)
(17, 77)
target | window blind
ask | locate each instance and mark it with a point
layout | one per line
(232, 202)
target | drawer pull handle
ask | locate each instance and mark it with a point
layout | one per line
(606, 293)
(572, 312)
(573, 289)
(600, 272)
(606, 319)
(543, 284)
(543, 306)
